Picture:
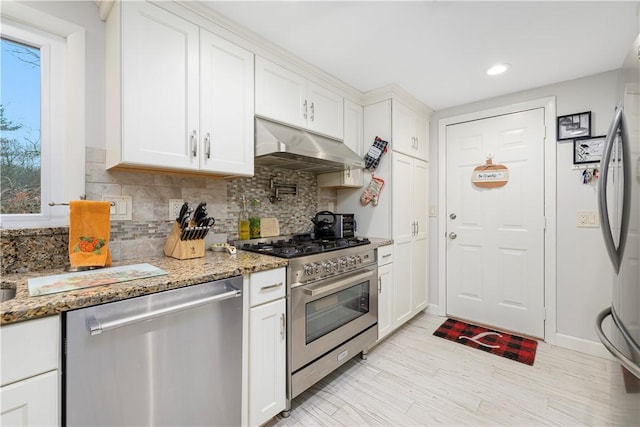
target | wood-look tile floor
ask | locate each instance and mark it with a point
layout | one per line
(416, 379)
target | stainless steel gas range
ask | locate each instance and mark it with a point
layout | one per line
(332, 303)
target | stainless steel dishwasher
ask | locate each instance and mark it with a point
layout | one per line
(171, 358)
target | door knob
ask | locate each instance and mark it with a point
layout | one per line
(452, 235)
(452, 216)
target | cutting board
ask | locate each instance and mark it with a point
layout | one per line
(269, 227)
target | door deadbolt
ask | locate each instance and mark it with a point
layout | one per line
(452, 235)
(453, 216)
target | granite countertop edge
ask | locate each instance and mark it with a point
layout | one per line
(180, 273)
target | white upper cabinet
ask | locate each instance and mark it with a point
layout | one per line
(287, 97)
(178, 97)
(410, 132)
(226, 106)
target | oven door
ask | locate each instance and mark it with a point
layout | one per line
(328, 313)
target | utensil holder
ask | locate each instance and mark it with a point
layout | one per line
(182, 249)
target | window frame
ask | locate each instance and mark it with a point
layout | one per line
(62, 136)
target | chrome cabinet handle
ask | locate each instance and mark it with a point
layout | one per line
(305, 109)
(282, 325)
(348, 171)
(379, 285)
(313, 111)
(417, 143)
(275, 285)
(386, 255)
(453, 235)
(96, 327)
(207, 145)
(417, 227)
(194, 143)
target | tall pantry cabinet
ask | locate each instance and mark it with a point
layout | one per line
(402, 212)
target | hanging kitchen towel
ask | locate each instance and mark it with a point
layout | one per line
(89, 228)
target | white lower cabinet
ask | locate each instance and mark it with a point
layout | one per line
(31, 402)
(267, 345)
(385, 291)
(30, 392)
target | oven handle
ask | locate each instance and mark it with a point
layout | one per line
(346, 282)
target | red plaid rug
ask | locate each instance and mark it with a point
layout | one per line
(506, 345)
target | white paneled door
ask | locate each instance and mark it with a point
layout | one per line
(495, 236)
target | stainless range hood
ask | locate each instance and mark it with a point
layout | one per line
(286, 147)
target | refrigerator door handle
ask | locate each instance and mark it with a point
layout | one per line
(629, 364)
(618, 126)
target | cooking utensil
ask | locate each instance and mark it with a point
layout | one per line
(200, 212)
(324, 227)
(183, 210)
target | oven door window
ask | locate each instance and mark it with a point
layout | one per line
(327, 314)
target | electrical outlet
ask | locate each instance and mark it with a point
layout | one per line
(174, 208)
(588, 219)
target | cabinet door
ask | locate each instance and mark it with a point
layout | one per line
(403, 138)
(226, 106)
(31, 402)
(422, 137)
(325, 111)
(267, 361)
(385, 300)
(280, 94)
(419, 259)
(403, 229)
(160, 92)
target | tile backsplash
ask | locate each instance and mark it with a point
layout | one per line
(144, 236)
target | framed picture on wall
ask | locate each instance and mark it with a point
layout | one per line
(574, 126)
(588, 150)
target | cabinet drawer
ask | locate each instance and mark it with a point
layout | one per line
(266, 286)
(385, 254)
(29, 348)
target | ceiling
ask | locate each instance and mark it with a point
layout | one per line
(439, 50)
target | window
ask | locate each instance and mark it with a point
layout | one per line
(20, 178)
(42, 151)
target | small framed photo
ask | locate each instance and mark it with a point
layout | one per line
(588, 150)
(574, 126)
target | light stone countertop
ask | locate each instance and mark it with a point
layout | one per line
(180, 273)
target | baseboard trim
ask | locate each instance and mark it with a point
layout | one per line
(433, 309)
(593, 348)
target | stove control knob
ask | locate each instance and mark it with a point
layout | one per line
(326, 267)
(334, 264)
(358, 259)
(351, 261)
(308, 269)
(342, 262)
(316, 267)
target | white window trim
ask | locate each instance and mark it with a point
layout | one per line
(66, 178)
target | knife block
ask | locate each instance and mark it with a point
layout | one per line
(182, 249)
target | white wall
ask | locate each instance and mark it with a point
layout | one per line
(583, 271)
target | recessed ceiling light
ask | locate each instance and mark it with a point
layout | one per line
(498, 69)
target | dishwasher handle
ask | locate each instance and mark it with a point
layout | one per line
(96, 327)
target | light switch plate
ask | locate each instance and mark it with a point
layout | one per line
(121, 211)
(587, 219)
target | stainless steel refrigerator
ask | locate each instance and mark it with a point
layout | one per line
(619, 206)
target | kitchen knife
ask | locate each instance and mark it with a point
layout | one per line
(183, 210)
(200, 212)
